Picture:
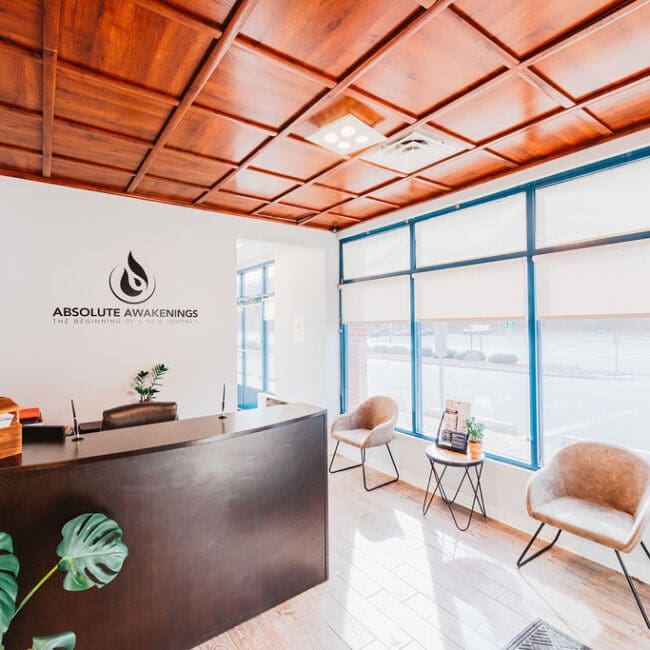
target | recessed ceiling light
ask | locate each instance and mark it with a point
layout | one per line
(413, 151)
(347, 133)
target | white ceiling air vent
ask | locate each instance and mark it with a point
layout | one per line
(412, 151)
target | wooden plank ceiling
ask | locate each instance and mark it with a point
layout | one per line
(207, 103)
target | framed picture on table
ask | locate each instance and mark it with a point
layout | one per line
(452, 430)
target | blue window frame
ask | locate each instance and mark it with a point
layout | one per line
(532, 325)
(255, 295)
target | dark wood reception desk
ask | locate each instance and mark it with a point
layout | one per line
(223, 520)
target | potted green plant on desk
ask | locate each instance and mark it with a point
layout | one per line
(147, 382)
(475, 437)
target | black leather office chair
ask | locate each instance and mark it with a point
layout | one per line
(133, 415)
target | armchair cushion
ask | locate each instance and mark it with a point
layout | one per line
(354, 437)
(598, 523)
(371, 424)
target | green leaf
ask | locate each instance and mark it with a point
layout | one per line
(64, 640)
(92, 551)
(9, 567)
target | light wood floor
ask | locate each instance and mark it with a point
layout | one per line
(399, 580)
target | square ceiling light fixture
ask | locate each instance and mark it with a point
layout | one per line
(413, 151)
(346, 134)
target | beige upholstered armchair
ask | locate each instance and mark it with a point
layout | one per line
(371, 424)
(597, 491)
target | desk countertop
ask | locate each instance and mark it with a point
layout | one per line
(150, 438)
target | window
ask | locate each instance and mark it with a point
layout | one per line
(256, 334)
(596, 381)
(474, 347)
(611, 202)
(595, 343)
(376, 314)
(546, 333)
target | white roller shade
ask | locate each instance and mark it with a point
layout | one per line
(487, 229)
(377, 301)
(600, 281)
(480, 291)
(378, 254)
(611, 202)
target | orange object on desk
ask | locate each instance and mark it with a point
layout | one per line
(33, 414)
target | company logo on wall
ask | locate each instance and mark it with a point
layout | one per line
(133, 285)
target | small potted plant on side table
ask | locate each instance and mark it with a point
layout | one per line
(475, 437)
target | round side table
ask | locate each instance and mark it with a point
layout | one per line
(446, 459)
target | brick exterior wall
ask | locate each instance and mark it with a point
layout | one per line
(357, 353)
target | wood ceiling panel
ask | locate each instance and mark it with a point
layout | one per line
(212, 135)
(20, 81)
(20, 22)
(170, 190)
(362, 208)
(407, 191)
(524, 26)
(327, 35)
(257, 184)
(285, 211)
(613, 53)
(549, 138)
(122, 39)
(215, 11)
(248, 85)
(123, 110)
(20, 160)
(225, 202)
(466, 169)
(625, 108)
(505, 105)
(357, 176)
(438, 61)
(295, 158)
(20, 128)
(84, 144)
(89, 174)
(315, 197)
(87, 102)
(188, 168)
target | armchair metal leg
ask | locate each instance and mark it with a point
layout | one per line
(643, 546)
(521, 561)
(363, 469)
(343, 469)
(632, 587)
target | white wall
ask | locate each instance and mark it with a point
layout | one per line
(58, 247)
(305, 288)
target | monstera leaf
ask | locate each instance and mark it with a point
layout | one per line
(92, 552)
(8, 586)
(65, 640)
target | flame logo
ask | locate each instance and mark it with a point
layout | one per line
(131, 283)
